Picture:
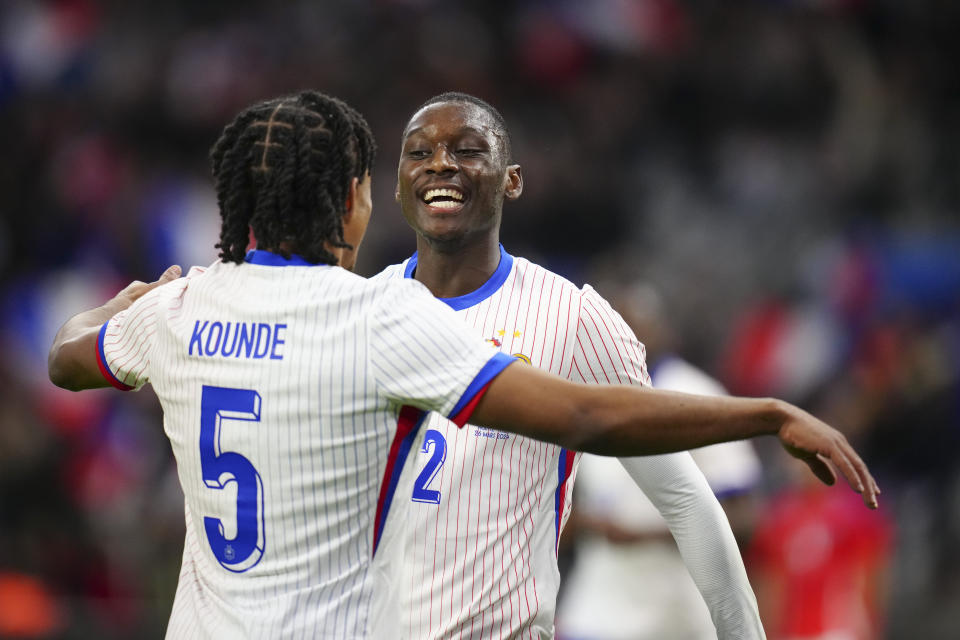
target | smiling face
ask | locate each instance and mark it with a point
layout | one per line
(453, 174)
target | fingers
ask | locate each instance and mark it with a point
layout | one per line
(871, 490)
(137, 288)
(856, 473)
(821, 469)
(172, 273)
(808, 440)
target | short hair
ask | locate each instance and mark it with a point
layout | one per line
(500, 125)
(283, 168)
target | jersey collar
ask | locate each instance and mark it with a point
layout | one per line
(270, 259)
(486, 290)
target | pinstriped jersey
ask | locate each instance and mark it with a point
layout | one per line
(292, 395)
(488, 506)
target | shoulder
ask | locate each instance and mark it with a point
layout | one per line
(533, 275)
(583, 300)
(400, 295)
(392, 272)
(589, 295)
(595, 309)
(392, 299)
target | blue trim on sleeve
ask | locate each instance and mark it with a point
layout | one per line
(104, 367)
(487, 289)
(732, 492)
(270, 259)
(491, 370)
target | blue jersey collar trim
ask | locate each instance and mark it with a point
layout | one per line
(486, 290)
(270, 259)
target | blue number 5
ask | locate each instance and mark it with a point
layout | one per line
(219, 468)
(420, 491)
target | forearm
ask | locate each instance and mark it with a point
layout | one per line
(619, 420)
(72, 362)
(634, 421)
(678, 489)
(661, 421)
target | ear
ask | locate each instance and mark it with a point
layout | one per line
(396, 192)
(351, 198)
(514, 182)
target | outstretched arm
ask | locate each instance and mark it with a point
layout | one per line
(628, 421)
(72, 363)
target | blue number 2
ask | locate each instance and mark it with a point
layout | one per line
(220, 468)
(420, 491)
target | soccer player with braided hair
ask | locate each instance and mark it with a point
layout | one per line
(308, 141)
(293, 391)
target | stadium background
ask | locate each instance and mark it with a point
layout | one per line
(786, 172)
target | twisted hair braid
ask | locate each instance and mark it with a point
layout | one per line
(283, 168)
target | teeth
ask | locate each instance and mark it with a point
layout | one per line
(440, 193)
(445, 204)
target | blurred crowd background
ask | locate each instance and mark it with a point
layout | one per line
(784, 172)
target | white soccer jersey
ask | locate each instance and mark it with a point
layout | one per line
(288, 392)
(488, 507)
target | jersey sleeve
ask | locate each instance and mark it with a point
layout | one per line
(125, 340)
(423, 355)
(123, 345)
(679, 491)
(606, 351)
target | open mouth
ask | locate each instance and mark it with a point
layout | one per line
(445, 198)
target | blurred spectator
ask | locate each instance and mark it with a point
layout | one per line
(820, 563)
(27, 609)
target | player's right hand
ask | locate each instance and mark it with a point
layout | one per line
(138, 288)
(815, 442)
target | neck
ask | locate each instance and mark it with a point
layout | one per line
(449, 272)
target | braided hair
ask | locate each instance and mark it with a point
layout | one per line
(283, 168)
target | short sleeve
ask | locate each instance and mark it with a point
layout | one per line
(606, 350)
(123, 345)
(423, 355)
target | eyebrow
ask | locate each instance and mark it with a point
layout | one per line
(467, 129)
